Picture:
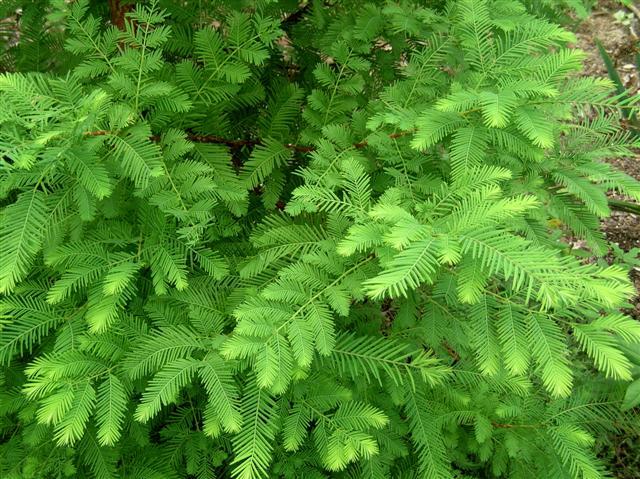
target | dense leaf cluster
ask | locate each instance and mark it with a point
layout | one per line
(273, 239)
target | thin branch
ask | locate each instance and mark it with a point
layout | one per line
(365, 143)
(220, 140)
(511, 426)
(198, 139)
(246, 142)
(296, 16)
(451, 352)
(96, 133)
(118, 12)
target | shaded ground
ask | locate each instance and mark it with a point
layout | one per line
(619, 31)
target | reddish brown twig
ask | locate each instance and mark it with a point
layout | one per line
(203, 139)
(512, 426)
(300, 148)
(96, 133)
(245, 142)
(220, 140)
(451, 352)
(365, 143)
(118, 13)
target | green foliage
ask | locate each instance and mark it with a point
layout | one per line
(259, 239)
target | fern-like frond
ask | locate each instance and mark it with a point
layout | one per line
(549, 351)
(140, 159)
(21, 236)
(410, 268)
(159, 348)
(366, 357)
(31, 319)
(111, 408)
(570, 441)
(253, 445)
(223, 396)
(264, 159)
(426, 437)
(72, 425)
(163, 389)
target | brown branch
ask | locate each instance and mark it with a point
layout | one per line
(512, 426)
(365, 143)
(220, 140)
(96, 133)
(451, 352)
(245, 142)
(295, 17)
(118, 13)
(198, 139)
